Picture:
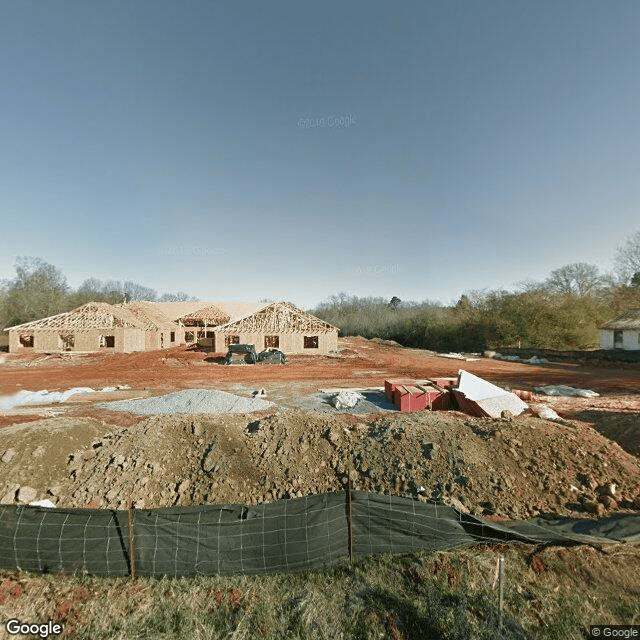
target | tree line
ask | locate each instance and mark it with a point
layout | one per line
(39, 289)
(561, 312)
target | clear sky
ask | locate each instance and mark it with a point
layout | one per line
(292, 150)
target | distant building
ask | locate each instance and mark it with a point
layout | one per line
(623, 332)
(148, 326)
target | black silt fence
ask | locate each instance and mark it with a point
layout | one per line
(314, 532)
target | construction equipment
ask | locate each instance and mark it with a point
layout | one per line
(272, 356)
(241, 354)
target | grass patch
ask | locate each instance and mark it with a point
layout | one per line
(552, 594)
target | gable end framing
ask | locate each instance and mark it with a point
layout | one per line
(278, 317)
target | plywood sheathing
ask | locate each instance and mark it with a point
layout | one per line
(481, 398)
(150, 315)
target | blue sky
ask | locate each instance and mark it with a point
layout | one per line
(294, 150)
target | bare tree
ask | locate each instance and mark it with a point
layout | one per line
(135, 291)
(578, 279)
(115, 292)
(180, 296)
(627, 258)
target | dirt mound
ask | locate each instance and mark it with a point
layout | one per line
(623, 428)
(36, 454)
(513, 468)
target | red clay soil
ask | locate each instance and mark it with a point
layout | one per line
(362, 363)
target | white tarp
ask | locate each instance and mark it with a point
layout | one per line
(514, 358)
(42, 397)
(489, 397)
(460, 356)
(564, 390)
(536, 360)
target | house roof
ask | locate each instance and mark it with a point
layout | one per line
(235, 310)
(272, 316)
(630, 319)
(175, 310)
(239, 310)
(92, 315)
(211, 314)
(155, 316)
(148, 313)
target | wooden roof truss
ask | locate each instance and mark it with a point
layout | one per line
(93, 315)
(207, 316)
(279, 317)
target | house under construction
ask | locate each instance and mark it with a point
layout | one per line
(148, 326)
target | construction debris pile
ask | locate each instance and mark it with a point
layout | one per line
(516, 468)
(467, 392)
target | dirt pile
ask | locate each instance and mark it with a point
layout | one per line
(35, 455)
(190, 401)
(514, 468)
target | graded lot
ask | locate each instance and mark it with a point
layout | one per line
(80, 454)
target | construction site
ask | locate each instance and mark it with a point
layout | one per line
(293, 403)
(149, 326)
(175, 428)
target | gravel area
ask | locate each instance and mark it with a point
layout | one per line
(373, 402)
(190, 401)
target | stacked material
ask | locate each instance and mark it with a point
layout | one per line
(414, 395)
(472, 394)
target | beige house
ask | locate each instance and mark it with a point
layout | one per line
(623, 332)
(278, 325)
(148, 326)
(95, 326)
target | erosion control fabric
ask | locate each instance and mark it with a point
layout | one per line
(303, 534)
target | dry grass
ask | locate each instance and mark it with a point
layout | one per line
(554, 593)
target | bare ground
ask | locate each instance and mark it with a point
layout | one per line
(84, 455)
(78, 454)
